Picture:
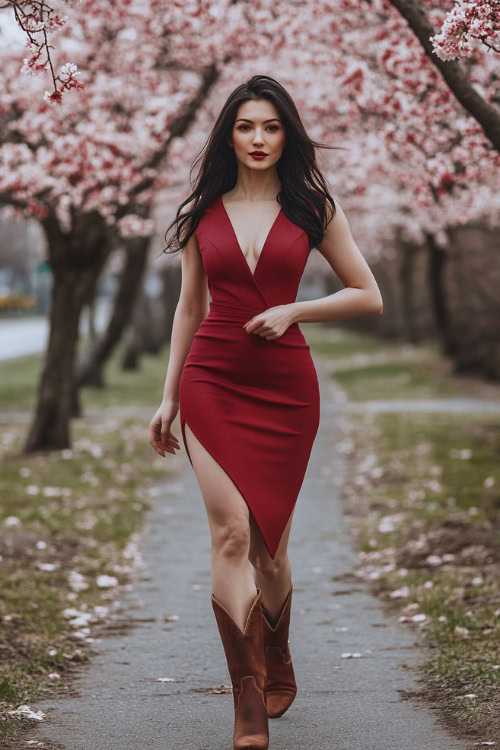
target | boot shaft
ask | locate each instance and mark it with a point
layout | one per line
(277, 634)
(244, 649)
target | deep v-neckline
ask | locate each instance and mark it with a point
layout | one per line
(240, 251)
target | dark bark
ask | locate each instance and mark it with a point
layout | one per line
(76, 258)
(452, 71)
(131, 355)
(474, 283)
(143, 335)
(76, 403)
(437, 287)
(90, 372)
(389, 324)
(406, 278)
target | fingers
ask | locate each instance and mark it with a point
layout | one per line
(161, 439)
(155, 438)
(169, 442)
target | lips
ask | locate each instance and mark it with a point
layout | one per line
(257, 153)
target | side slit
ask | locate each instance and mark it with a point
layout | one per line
(183, 423)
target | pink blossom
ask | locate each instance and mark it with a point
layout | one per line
(468, 20)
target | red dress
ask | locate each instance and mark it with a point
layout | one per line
(253, 403)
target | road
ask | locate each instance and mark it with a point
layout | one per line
(22, 336)
(341, 704)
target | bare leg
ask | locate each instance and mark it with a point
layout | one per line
(273, 577)
(228, 518)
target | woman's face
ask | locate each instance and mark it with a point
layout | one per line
(258, 127)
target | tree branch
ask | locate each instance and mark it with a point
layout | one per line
(452, 72)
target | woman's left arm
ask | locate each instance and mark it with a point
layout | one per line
(361, 295)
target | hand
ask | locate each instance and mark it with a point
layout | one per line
(272, 323)
(160, 437)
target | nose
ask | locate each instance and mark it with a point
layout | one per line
(258, 140)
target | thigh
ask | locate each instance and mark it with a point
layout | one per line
(224, 503)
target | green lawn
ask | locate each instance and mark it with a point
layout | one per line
(367, 367)
(19, 378)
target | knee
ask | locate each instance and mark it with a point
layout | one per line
(271, 569)
(232, 540)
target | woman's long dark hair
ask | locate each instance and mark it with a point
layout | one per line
(304, 193)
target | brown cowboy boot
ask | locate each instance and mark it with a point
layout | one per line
(281, 687)
(246, 663)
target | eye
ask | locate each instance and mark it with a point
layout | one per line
(273, 127)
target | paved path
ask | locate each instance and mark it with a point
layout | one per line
(342, 704)
(451, 405)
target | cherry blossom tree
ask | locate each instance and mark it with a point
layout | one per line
(87, 172)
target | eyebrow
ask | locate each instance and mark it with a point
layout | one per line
(247, 120)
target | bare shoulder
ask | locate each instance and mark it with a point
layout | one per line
(337, 228)
(338, 216)
(337, 239)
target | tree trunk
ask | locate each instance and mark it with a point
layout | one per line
(436, 269)
(90, 372)
(84, 250)
(76, 258)
(76, 403)
(142, 335)
(131, 355)
(407, 297)
(389, 324)
(50, 428)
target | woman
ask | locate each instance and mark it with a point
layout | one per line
(242, 374)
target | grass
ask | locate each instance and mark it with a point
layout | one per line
(19, 378)
(424, 490)
(67, 519)
(370, 368)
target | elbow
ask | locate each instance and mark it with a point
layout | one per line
(373, 303)
(378, 305)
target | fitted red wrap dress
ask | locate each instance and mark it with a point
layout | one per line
(252, 402)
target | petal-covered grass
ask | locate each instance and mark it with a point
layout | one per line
(69, 522)
(424, 493)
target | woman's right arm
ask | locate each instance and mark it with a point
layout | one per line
(192, 308)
